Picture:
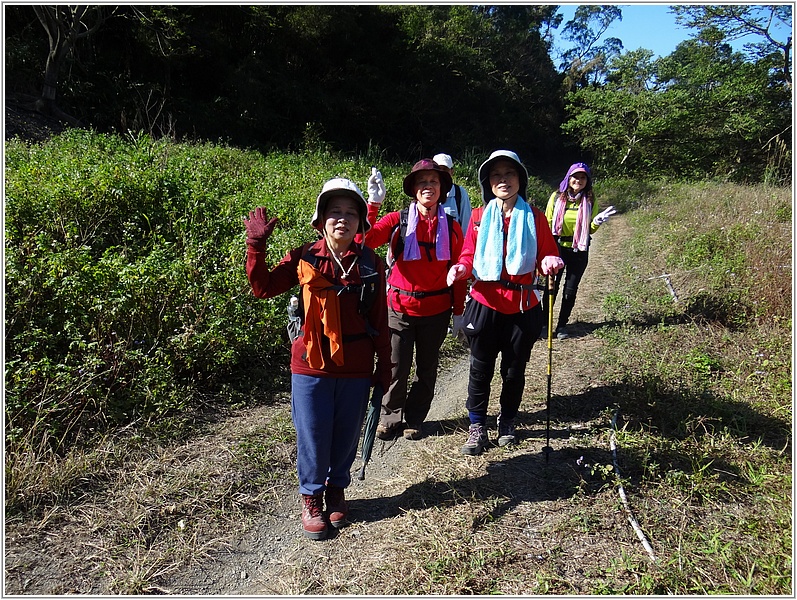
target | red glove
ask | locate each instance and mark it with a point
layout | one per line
(258, 227)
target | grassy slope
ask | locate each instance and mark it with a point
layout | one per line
(702, 388)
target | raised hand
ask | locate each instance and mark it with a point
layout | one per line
(259, 227)
(376, 187)
(603, 216)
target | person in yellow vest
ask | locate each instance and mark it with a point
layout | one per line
(573, 216)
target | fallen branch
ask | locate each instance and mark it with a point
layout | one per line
(637, 529)
(668, 283)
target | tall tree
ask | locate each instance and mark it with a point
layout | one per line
(738, 21)
(64, 26)
(702, 111)
(586, 61)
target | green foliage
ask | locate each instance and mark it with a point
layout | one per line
(703, 110)
(412, 79)
(127, 298)
(626, 194)
(704, 390)
(585, 63)
(445, 78)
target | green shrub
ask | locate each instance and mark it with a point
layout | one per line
(127, 299)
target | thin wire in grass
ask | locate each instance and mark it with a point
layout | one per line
(637, 529)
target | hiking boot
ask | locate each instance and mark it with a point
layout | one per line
(506, 431)
(561, 332)
(543, 334)
(337, 507)
(413, 432)
(315, 527)
(386, 432)
(477, 440)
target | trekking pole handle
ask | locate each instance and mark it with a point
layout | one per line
(550, 321)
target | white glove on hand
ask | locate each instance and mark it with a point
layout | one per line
(376, 187)
(551, 265)
(455, 273)
(603, 216)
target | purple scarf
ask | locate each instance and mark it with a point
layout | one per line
(411, 249)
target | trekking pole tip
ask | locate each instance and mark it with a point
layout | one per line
(547, 450)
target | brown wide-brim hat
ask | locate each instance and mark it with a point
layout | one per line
(427, 164)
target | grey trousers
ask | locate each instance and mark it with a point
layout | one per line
(421, 337)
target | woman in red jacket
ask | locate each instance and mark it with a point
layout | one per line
(423, 243)
(332, 361)
(507, 241)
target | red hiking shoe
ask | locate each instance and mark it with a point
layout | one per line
(337, 507)
(315, 527)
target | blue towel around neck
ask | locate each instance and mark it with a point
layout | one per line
(521, 244)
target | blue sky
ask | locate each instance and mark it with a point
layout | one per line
(649, 26)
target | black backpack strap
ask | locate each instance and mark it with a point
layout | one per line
(394, 250)
(368, 289)
(458, 198)
(310, 257)
(398, 234)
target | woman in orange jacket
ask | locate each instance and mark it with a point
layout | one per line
(332, 361)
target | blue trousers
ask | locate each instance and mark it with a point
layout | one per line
(328, 415)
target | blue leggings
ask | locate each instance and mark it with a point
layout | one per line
(327, 414)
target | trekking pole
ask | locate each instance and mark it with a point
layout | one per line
(549, 292)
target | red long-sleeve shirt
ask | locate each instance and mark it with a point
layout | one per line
(420, 275)
(492, 293)
(359, 352)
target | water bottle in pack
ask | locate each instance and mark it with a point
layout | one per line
(294, 318)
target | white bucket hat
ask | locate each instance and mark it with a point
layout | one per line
(484, 173)
(340, 187)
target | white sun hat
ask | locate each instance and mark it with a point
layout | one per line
(340, 186)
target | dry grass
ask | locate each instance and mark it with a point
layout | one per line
(704, 405)
(138, 513)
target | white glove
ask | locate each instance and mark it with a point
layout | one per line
(376, 187)
(455, 273)
(603, 216)
(551, 265)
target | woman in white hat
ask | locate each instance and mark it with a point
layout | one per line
(457, 202)
(332, 361)
(507, 242)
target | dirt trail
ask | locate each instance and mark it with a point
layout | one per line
(269, 555)
(264, 559)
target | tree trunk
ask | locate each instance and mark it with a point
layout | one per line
(64, 26)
